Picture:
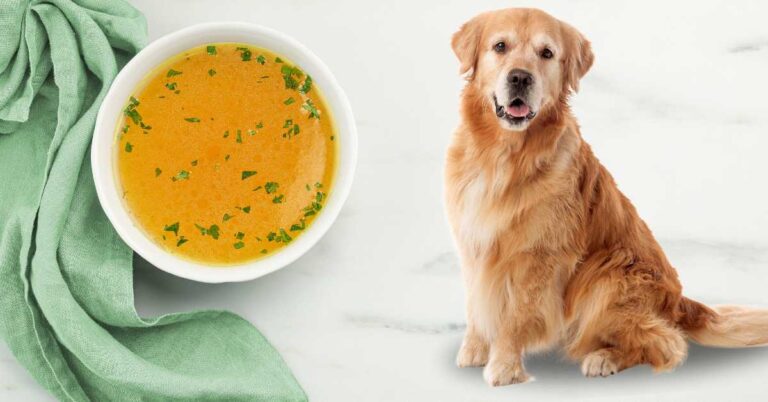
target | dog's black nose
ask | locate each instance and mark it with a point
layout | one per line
(520, 79)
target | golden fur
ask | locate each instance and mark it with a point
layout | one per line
(552, 253)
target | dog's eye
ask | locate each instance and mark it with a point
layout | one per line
(546, 53)
(499, 47)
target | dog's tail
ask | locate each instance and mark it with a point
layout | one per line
(724, 326)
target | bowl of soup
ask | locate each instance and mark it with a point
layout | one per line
(223, 152)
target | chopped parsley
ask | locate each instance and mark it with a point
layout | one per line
(172, 228)
(226, 217)
(246, 209)
(213, 230)
(289, 101)
(315, 206)
(247, 173)
(298, 227)
(271, 187)
(261, 59)
(278, 60)
(158, 172)
(226, 134)
(171, 85)
(281, 237)
(192, 119)
(310, 107)
(278, 199)
(239, 245)
(239, 235)
(172, 73)
(194, 162)
(211, 50)
(292, 129)
(307, 85)
(291, 76)
(128, 147)
(211, 72)
(245, 53)
(182, 175)
(239, 137)
(131, 111)
(181, 241)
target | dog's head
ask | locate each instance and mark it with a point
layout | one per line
(523, 60)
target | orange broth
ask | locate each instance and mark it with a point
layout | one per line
(226, 153)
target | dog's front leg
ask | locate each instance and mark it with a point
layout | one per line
(474, 347)
(505, 364)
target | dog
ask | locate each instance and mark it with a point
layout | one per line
(552, 253)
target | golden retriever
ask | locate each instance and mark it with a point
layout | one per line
(552, 253)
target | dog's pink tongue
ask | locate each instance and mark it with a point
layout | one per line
(518, 111)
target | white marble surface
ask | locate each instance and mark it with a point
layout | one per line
(675, 106)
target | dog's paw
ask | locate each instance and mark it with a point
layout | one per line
(599, 364)
(473, 353)
(499, 373)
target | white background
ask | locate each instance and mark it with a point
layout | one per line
(675, 106)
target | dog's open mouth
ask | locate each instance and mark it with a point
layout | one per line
(515, 112)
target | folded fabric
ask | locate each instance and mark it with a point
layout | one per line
(66, 284)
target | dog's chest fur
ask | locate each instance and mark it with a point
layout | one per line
(490, 207)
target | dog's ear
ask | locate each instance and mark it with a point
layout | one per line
(465, 44)
(578, 58)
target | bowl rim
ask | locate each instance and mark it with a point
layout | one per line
(103, 166)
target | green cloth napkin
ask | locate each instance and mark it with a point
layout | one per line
(66, 285)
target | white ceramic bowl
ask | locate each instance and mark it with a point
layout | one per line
(104, 141)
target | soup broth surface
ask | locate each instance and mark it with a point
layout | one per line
(225, 153)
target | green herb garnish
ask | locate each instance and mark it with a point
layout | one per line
(278, 199)
(239, 235)
(192, 119)
(128, 147)
(171, 86)
(271, 187)
(172, 228)
(211, 72)
(247, 173)
(211, 50)
(245, 53)
(181, 241)
(226, 217)
(298, 227)
(310, 107)
(239, 245)
(213, 230)
(131, 111)
(261, 59)
(289, 101)
(307, 85)
(194, 162)
(182, 175)
(172, 73)
(157, 172)
(290, 75)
